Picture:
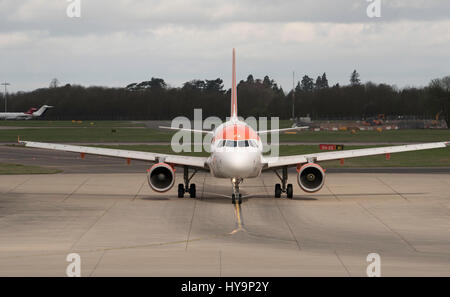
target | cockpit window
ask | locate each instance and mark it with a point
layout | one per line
(231, 143)
(240, 143)
(243, 143)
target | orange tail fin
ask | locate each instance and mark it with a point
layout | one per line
(233, 89)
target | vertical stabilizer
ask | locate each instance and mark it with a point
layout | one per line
(41, 111)
(233, 88)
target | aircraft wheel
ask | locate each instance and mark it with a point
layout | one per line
(240, 199)
(192, 191)
(180, 190)
(233, 199)
(290, 191)
(277, 191)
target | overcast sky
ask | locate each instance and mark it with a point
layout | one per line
(118, 42)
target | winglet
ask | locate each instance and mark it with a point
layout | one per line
(19, 141)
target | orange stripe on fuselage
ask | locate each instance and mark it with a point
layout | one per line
(236, 132)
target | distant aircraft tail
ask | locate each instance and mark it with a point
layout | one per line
(233, 88)
(41, 110)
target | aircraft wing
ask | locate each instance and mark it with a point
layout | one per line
(274, 162)
(196, 162)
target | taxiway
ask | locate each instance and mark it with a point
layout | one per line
(120, 227)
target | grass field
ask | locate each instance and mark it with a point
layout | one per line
(120, 134)
(426, 158)
(24, 169)
(86, 134)
(370, 136)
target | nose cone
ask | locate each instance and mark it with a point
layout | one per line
(240, 164)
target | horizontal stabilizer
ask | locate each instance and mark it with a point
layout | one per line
(283, 130)
(187, 130)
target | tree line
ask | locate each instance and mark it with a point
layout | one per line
(155, 100)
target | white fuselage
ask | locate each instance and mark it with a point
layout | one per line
(15, 116)
(236, 151)
(30, 114)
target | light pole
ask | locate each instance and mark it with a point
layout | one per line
(293, 97)
(5, 84)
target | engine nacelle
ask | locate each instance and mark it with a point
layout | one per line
(161, 177)
(311, 177)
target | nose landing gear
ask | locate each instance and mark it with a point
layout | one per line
(236, 196)
(283, 187)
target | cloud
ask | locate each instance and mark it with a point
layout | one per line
(104, 16)
(123, 41)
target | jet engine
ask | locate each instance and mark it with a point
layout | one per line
(311, 177)
(161, 177)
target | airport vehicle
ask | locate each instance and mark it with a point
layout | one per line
(30, 114)
(375, 121)
(236, 154)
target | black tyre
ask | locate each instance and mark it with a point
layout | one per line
(277, 191)
(192, 191)
(240, 199)
(290, 191)
(233, 199)
(180, 190)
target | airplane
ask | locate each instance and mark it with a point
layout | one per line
(30, 114)
(236, 154)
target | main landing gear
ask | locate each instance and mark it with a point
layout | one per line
(186, 188)
(236, 197)
(283, 187)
